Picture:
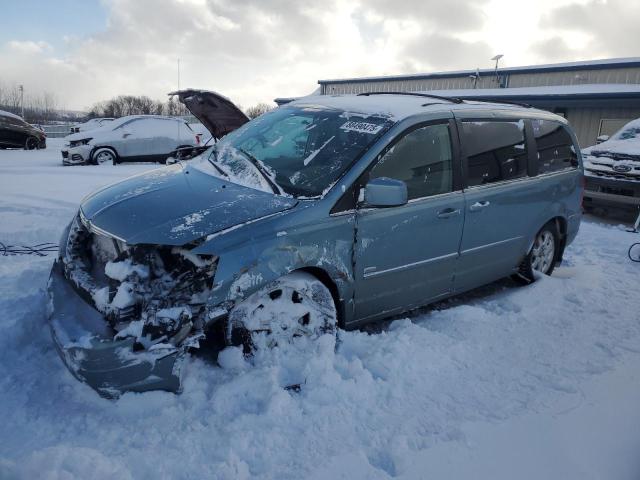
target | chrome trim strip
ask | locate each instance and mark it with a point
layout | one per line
(97, 230)
(471, 188)
(493, 244)
(368, 273)
(439, 195)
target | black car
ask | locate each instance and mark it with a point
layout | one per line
(16, 133)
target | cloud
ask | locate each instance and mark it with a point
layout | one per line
(451, 16)
(445, 52)
(602, 28)
(553, 49)
(29, 47)
(255, 50)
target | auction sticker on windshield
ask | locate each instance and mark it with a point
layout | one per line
(361, 127)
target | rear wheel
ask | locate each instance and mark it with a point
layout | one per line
(542, 256)
(296, 305)
(31, 143)
(104, 156)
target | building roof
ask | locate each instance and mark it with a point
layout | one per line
(607, 63)
(576, 92)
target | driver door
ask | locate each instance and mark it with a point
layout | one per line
(406, 255)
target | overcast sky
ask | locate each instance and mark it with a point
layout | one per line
(85, 51)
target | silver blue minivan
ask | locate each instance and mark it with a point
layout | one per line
(327, 213)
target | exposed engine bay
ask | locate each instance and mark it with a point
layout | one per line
(156, 294)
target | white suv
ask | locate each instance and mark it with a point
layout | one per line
(132, 138)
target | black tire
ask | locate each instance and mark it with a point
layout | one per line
(104, 156)
(31, 143)
(542, 257)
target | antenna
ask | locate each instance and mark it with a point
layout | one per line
(178, 90)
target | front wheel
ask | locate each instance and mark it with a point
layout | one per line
(542, 256)
(104, 157)
(31, 143)
(296, 305)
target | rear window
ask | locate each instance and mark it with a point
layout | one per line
(554, 146)
(496, 151)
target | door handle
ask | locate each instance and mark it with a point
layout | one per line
(479, 205)
(448, 213)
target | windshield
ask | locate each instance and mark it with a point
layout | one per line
(302, 149)
(629, 131)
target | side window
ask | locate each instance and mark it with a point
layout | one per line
(554, 145)
(422, 159)
(496, 151)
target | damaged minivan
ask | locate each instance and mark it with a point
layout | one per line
(329, 212)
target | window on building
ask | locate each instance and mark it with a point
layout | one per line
(422, 159)
(554, 146)
(496, 151)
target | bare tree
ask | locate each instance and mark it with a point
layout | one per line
(40, 108)
(257, 110)
(123, 105)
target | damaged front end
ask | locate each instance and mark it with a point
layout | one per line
(124, 316)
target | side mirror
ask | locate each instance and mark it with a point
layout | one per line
(602, 138)
(385, 192)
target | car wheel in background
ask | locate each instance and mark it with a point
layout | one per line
(296, 305)
(104, 156)
(542, 256)
(31, 143)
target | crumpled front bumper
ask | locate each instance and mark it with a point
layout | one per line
(86, 344)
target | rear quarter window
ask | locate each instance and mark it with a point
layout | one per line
(496, 151)
(554, 146)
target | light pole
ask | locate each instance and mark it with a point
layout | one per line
(21, 88)
(497, 59)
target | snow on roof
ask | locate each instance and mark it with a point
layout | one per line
(582, 65)
(9, 114)
(394, 106)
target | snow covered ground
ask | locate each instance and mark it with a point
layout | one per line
(504, 382)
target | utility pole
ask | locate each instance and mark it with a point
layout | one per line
(21, 87)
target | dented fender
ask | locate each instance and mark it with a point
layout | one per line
(254, 255)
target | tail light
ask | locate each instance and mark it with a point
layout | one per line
(198, 139)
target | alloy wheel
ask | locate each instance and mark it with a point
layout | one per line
(543, 252)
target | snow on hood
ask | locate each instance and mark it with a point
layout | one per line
(623, 147)
(625, 141)
(216, 112)
(176, 205)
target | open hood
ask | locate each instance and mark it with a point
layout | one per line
(217, 113)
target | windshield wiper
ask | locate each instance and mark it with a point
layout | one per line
(217, 167)
(274, 186)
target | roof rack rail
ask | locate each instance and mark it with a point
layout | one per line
(491, 100)
(415, 94)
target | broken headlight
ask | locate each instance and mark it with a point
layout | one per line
(153, 293)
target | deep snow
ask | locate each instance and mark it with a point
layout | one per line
(503, 382)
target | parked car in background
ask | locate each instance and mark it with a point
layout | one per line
(138, 138)
(16, 133)
(90, 124)
(331, 211)
(612, 170)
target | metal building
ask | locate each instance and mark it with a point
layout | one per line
(597, 97)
